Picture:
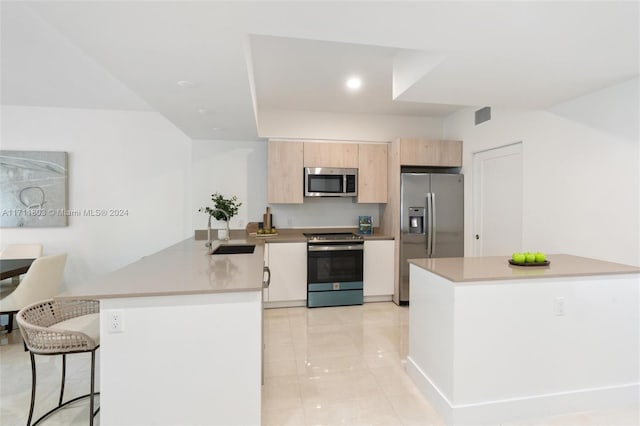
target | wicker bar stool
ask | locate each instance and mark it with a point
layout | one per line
(61, 327)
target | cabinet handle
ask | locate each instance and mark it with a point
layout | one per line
(265, 284)
(336, 248)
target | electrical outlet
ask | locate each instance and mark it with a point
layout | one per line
(558, 306)
(115, 323)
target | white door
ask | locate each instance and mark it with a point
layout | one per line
(497, 201)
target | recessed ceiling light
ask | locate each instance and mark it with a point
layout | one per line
(204, 111)
(354, 83)
(217, 129)
(186, 83)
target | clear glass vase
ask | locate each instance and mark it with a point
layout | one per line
(225, 233)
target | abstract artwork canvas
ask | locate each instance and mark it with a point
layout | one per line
(33, 189)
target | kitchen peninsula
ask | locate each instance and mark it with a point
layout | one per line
(181, 338)
(490, 342)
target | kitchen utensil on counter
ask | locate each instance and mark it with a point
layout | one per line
(267, 219)
(263, 235)
(252, 227)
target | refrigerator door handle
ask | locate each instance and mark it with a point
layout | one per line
(428, 225)
(433, 224)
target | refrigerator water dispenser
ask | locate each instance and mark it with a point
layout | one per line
(416, 220)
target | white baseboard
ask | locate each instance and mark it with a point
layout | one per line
(619, 397)
(285, 304)
(368, 299)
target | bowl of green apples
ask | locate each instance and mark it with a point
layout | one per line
(529, 259)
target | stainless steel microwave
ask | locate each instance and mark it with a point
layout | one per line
(330, 182)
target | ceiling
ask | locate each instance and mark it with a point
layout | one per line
(415, 58)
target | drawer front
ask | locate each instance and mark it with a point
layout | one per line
(334, 298)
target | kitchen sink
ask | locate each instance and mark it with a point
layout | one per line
(235, 249)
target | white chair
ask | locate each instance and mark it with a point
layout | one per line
(18, 251)
(42, 281)
(21, 251)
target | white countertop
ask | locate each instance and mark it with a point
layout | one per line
(490, 268)
(183, 268)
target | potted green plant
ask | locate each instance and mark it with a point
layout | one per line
(223, 209)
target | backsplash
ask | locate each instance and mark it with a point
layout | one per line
(323, 212)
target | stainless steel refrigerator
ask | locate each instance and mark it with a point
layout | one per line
(431, 220)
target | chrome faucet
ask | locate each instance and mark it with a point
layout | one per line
(211, 212)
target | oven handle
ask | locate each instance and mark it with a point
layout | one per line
(336, 248)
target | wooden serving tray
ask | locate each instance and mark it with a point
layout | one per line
(255, 234)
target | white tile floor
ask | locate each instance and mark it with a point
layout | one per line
(333, 366)
(340, 366)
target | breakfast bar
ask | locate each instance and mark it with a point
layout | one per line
(181, 337)
(491, 342)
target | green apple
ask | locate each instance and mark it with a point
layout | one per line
(530, 258)
(518, 257)
(540, 257)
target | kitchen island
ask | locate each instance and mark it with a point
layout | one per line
(490, 342)
(181, 338)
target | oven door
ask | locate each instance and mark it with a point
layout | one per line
(334, 274)
(334, 262)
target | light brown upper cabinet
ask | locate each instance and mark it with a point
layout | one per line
(285, 172)
(323, 154)
(423, 152)
(372, 173)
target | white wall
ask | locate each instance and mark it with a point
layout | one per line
(581, 172)
(136, 161)
(231, 168)
(323, 212)
(220, 367)
(350, 127)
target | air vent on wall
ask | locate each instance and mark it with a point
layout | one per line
(482, 115)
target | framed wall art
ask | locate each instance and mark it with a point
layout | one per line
(33, 189)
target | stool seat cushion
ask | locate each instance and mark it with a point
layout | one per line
(87, 324)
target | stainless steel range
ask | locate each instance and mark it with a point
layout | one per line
(334, 269)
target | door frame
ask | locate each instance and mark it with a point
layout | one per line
(476, 201)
